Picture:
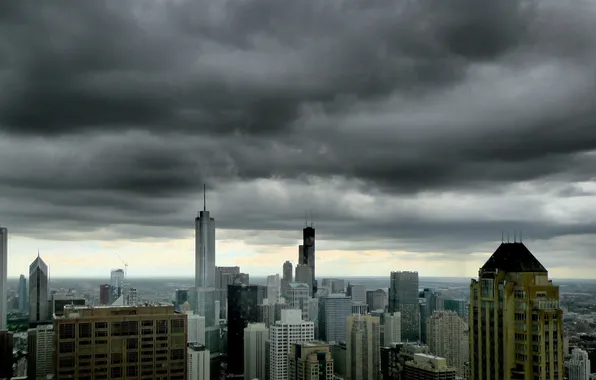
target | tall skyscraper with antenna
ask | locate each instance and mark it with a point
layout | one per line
(307, 252)
(204, 247)
(3, 275)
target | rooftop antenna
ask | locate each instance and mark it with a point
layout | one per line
(204, 197)
(37, 252)
(507, 236)
(305, 218)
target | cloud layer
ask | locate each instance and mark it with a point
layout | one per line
(410, 125)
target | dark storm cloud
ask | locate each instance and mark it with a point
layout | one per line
(115, 113)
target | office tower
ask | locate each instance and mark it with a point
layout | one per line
(116, 342)
(196, 329)
(38, 292)
(307, 255)
(273, 291)
(133, 297)
(339, 354)
(392, 330)
(448, 339)
(391, 365)
(243, 301)
(337, 285)
(271, 313)
(458, 306)
(180, 297)
(287, 277)
(516, 324)
(363, 348)
(23, 295)
(297, 295)
(291, 329)
(116, 284)
(198, 362)
(204, 248)
(333, 312)
(59, 301)
(430, 302)
(357, 292)
(225, 276)
(376, 299)
(578, 365)
(40, 351)
(255, 336)
(6, 346)
(403, 297)
(310, 361)
(359, 308)
(304, 276)
(104, 294)
(428, 367)
(3, 277)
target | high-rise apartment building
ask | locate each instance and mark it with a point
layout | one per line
(515, 322)
(3, 277)
(333, 312)
(271, 313)
(287, 277)
(243, 301)
(273, 288)
(297, 296)
(255, 336)
(392, 328)
(363, 348)
(310, 361)
(578, 365)
(403, 297)
(447, 338)
(40, 351)
(428, 367)
(291, 329)
(196, 329)
(198, 362)
(116, 284)
(121, 342)
(376, 299)
(38, 292)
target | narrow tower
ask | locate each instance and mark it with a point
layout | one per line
(204, 247)
(38, 291)
(307, 253)
(3, 275)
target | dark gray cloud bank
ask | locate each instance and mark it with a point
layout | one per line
(425, 125)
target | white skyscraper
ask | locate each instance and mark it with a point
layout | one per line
(273, 288)
(196, 329)
(3, 276)
(578, 365)
(198, 362)
(117, 283)
(255, 336)
(447, 338)
(291, 329)
(204, 249)
(38, 291)
(297, 295)
(392, 328)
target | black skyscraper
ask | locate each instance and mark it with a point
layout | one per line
(308, 253)
(243, 308)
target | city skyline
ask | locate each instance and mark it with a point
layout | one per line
(413, 144)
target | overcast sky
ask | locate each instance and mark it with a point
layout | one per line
(416, 132)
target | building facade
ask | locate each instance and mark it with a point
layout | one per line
(291, 329)
(578, 365)
(310, 361)
(428, 367)
(3, 277)
(403, 297)
(255, 336)
(198, 362)
(333, 312)
(447, 338)
(392, 328)
(363, 352)
(38, 292)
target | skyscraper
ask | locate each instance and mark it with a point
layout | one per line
(38, 291)
(333, 311)
(363, 354)
(23, 299)
(447, 338)
(307, 254)
(273, 288)
(579, 365)
(104, 294)
(403, 297)
(516, 324)
(3, 277)
(287, 277)
(198, 362)
(357, 292)
(116, 283)
(310, 361)
(291, 329)
(255, 336)
(392, 328)
(204, 249)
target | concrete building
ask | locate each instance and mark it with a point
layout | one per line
(297, 296)
(333, 312)
(117, 342)
(273, 288)
(392, 328)
(359, 308)
(447, 338)
(578, 365)
(255, 336)
(357, 292)
(428, 367)
(3, 278)
(198, 362)
(196, 329)
(271, 313)
(336, 285)
(514, 298)
(38, 292)
(376, 299)
(310, 361)
(403, 297)
(363, 348)
(40, 351)
(291, 329)
(304, 276)
(287, 277)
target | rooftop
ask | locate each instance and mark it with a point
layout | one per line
(513, 257)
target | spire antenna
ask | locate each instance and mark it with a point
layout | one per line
(305, 218)
(204, 197)
(507, 236)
